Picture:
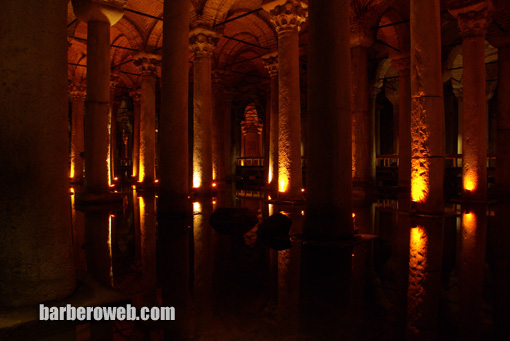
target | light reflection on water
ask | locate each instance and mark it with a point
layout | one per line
(411, 279)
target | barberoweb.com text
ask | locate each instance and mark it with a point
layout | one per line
(128, 313)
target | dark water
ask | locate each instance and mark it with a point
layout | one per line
(432, 278)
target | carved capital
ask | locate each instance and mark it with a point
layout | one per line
(271, 64)
(78, 91)
(289, 16)
(147, 63)
(402, 64)
(361, 34)
(473, 17)
(203, 42)
(110, 11)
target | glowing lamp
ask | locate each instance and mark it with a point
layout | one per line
(469, 183)
(197, 181)
(283, 184)
(214, 184)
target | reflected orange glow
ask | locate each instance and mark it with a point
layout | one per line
(469, 222)
(197, 208)
(197, 180)
(110, 224)
(418, 249)
(270, 173)
(214, 184)
(71, 172)
(420, 182)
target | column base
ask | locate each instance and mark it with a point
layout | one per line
(148, 186)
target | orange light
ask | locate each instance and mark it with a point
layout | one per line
(418, 248)
(133, 186)
(214, 184)
(302, 190)
(470, 182)
(71, 190)
(284, 184)
(353, 214)
(269, 197)
(214, 202)
(469, 222)
(115, 178)
(420, 182)
(302, 212)
(197, 180)
(156, 181)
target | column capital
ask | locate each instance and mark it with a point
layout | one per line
(271, 64)
(472, 18)
(203, 42)
(110, 11)
(78, 91)
(361, 35)
(287, 16)
(402, 63)
(147, 63)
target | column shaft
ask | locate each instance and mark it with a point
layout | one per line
(218, 125)
(427, 121)
(147, 129)
(36, 258)
(273, 134)
(78, 108)
(329, 176)
(136, 134)
(474, 128)
(289, 123)
(173, 122)
(361, 118)
(97, 107)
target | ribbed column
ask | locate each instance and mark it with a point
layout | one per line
(271, 65)
(78, 106)
(287, 19)
(36, 257)
(473, 22)
(402, 65)
(202, 42)
(173, 121)
(329, 176)
(114, 107)
(147, 63)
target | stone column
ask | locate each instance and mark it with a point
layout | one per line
(218, 125)
(36, 258)
(427, 119)
(402, 64)
(473, 22)
(229, 153)
(329, 176)
(78, 106)
(173, 120)
(114, 107)
(361, 123)
(202, 42)
(457, 91)
(147, 63)
(136, 97)
(98, 15)
(287, 19)
(503, 115)
(271, 65)
(427, 170)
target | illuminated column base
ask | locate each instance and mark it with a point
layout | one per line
(271, 65)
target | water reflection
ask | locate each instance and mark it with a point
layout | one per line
(421, 278)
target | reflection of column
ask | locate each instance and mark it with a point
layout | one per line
(501, 266)
(98, 17)
(98, 234)
(287, 18)
(78, 93)
(173, 120)
(36, 262)
(472, 22)
(425, 254)
(148, 248)
(329, 177)
(147, 63)
(202, 43)
(401, 64)
(136, 97)
(474, 225)
(218, 125)
(288, 291)
(427, 121)
(271, 65)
